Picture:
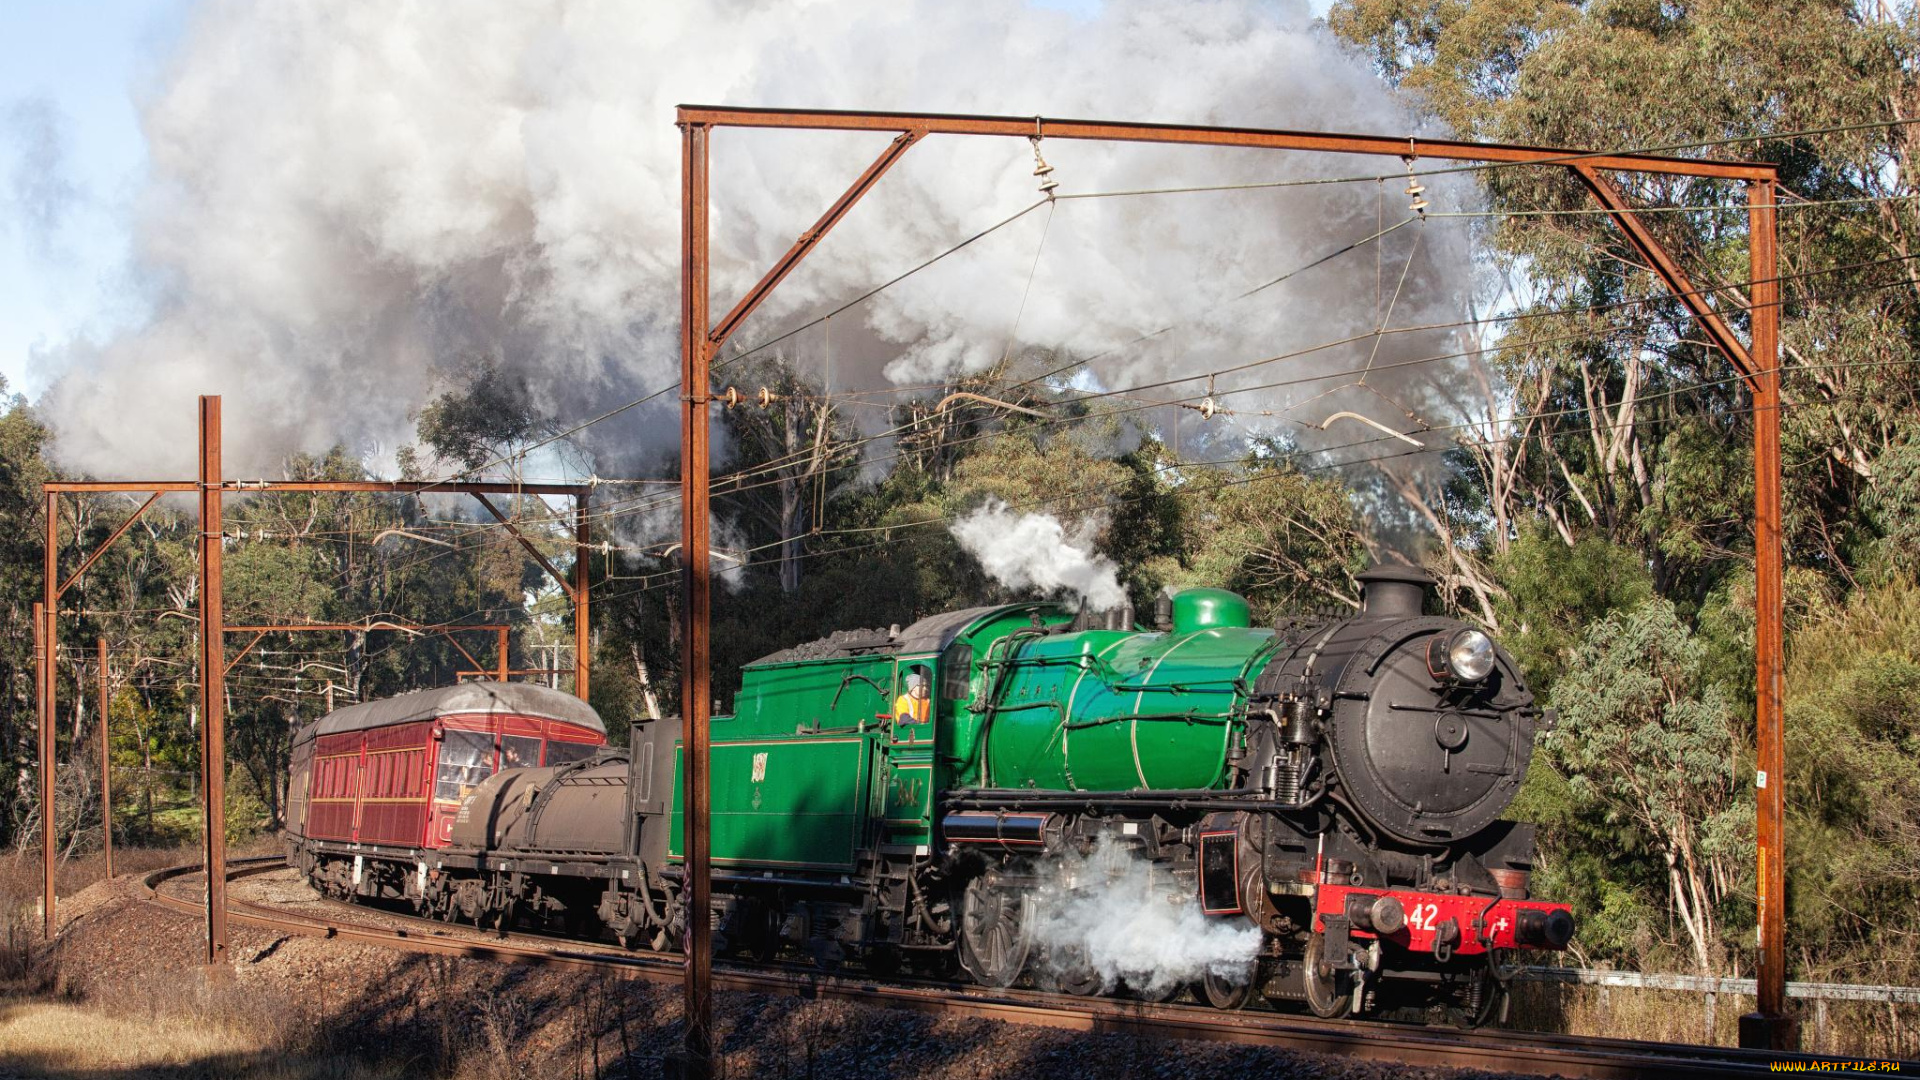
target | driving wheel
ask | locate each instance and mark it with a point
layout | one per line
(1231, 991)
(996, 931)
(1329, 990)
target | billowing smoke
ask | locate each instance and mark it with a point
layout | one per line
(1036, 551)
(351, 199)
(1110, 916)
(37, 192)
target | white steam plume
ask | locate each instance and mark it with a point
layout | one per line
(1036, 551)
(350, 198)
(1111, 914)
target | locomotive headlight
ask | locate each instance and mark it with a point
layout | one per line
(1463, 656)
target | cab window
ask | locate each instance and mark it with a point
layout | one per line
(956, 671)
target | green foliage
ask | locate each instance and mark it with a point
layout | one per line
(1893, 506)
(1553, 592)
(22, 469)
(1648, 750)
(1853, 839)
(1619, 560)
(1287, 541)
(481, 417)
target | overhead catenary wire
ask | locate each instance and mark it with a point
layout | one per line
(1179, 493)
(1132, 391)
(1054, 197)
(372, 653)
(1510, 317)
(1870, 263)
(1356, 462)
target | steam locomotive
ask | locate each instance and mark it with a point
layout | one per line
(1329, 788)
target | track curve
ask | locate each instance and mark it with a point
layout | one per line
(1502, 1051)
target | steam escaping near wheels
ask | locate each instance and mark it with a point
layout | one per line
(1113, 913)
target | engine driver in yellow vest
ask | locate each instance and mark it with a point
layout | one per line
(916, 704)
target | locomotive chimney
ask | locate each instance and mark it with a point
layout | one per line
(1393, 591)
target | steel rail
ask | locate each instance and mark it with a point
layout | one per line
(1508, 1051)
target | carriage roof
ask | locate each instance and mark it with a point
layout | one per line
(464, 699)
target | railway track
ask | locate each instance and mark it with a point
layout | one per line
(1502, 1051)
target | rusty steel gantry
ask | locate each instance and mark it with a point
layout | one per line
(1757, 363)
(213, 664)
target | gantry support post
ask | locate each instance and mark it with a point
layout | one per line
(49, 731)
(213, 682)
(106, 764)
(1769, 1026)
(43, 687)
(696, 586)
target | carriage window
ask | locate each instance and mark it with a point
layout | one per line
(466, 758)
(519, 752)
(559, 753)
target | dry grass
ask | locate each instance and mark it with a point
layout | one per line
(26, 963)
(181, 1023)
(65, 1037)
(168, 1022)
(58, 1040)
(1853, 1028)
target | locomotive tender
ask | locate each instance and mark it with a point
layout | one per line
(1335, 783)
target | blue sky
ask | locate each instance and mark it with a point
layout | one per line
(70, 71)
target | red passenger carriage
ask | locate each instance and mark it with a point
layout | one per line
(392, 773)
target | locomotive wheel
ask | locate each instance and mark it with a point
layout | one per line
(1329, 991)
(996, 932)
(1224, 993)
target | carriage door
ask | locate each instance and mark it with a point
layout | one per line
(909, 754)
